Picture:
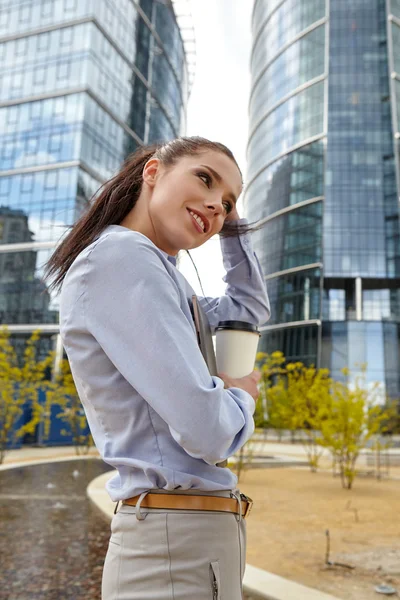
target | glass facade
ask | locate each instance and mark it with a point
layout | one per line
(361, 206)
(296, 296)
(82, 84)
(280, 26)
(297, 119)
(290, 240)
(300, 62)
(323, 180)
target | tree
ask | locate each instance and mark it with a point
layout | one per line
(392, 423)
(62, 392)
(355, 417)
(270, 366)
(243, 458)
(301, 400)
(19, 385)
(380, 445)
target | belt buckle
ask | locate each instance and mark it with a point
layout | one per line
(249, 504)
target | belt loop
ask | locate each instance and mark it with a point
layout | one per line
(116, 507)
(236, 494)
(139, 515)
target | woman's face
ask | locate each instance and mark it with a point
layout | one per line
(189, 202)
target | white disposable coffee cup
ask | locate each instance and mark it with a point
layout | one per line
(236, 347)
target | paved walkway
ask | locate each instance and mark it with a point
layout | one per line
(259, 446)
(33, 455)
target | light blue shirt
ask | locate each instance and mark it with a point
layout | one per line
(155, 412)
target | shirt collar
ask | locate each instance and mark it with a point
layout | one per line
(172, 259)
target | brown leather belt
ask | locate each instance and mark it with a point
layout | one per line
(192, 502)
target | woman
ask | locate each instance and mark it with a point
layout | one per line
(155, 412)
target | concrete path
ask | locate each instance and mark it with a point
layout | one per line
(31, 455)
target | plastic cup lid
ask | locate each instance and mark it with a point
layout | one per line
(238, 325)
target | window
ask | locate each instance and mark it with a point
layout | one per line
(109, 17)
(66, 36)
(21, 46)
(117, 97)
(31, 145)
(17, 81)
(63, 70)
(99, 116)
(69, 5)
(105, 46)
(5, 186)
(42, 42)
(12, 115)
(25, 13)
(96, 150)
(55, 142)
(39, 75)
(113, 129)
(59, 106)
(2, 51)
(4, 18)
(110, 161)
(47, 8)
(50, 180)
(8, 150)
(103, 80)
(26, 183)
(35, 110)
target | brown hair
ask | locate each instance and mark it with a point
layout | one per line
(116, 198)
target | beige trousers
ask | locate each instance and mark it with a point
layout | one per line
(170, 554)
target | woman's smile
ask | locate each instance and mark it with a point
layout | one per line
(198, 221)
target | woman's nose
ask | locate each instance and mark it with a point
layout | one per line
(215, 206)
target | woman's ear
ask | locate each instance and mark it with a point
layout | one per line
(150, 171)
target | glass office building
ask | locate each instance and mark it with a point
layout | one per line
(82, 84)
(323, 178)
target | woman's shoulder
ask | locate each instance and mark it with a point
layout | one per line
(125, 255)
(121, 262)
(116, 254)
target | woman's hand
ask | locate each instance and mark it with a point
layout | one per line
(247, 383)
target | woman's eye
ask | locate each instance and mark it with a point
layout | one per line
(205, 177)
(228, 206)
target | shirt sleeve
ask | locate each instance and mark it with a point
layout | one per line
(246, 297)
(132, 308)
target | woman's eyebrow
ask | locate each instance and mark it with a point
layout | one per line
(220, 180)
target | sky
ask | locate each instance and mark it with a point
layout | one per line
(218, 108)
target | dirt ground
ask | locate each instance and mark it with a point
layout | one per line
(292, 510)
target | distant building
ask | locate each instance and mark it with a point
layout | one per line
(82, 84)
(323, 177)
(23, 296)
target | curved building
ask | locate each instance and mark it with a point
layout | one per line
(323, 178)
(82, 84)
